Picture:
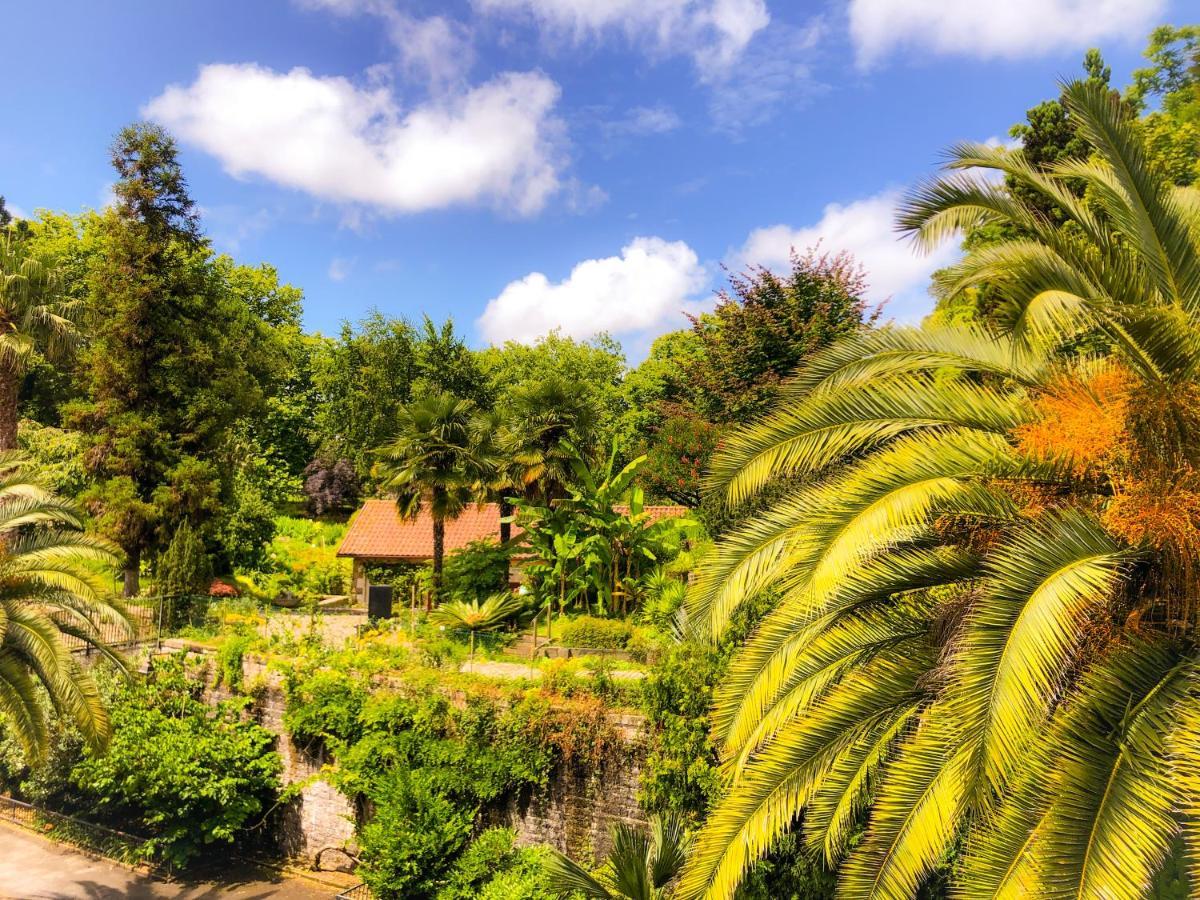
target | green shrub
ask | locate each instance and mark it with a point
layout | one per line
(230, 654)
(524, 879)
(681, 772)
(415, 827)
(184, 567)
(323, 704)
(494, 867)
(476, 570)
(589, 632)
(183, 772)
(306, 551)
(648, 645)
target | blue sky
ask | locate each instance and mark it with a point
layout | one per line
(528, 164)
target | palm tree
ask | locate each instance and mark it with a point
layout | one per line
(640, 866)
(52, 586)
(985, 623)
(474, 616)
(548, 424)
(434, 463)
(504, 475)
(34, 317)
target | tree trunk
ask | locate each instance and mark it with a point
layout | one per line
(10, 386)
(439, 554)
(505, 536)
(132, 572)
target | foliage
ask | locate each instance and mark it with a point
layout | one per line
(323, 704)
(427, 768)
(677, 458)
(38, 320)
(476, 570)
(596, 366)
(52, 586)
(436, 463)
(175, 356)
(56, 454)
(729, 367)
(681, 773)
(330, 485)
(209, 775)
(363, 378)
(414, 826)
(494, 868)
(585, 547)
(230, 654)
(428, 753)
(591, 632)
(548, 426)
(766, 325)
(978, 643)
(184, 568)
(639, 866)
(305, 552)
(475, 615)
(247, 526)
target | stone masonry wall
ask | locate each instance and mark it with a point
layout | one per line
(316, 826)
(573, 813)
(575, 810)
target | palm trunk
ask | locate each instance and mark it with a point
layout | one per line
(10, 386)
(132, 573)
(505, 537)
(439, 554)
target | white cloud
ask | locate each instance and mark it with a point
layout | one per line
(713, 32)
(776, 73)
(437, 49)
(340, 268)
(896, 272)
(497, 143)
(648, 285)
(1008, 29)
(658, 119)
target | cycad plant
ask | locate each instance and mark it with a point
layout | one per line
(640, 865)
(52, 585)
(984, 645)
(473, 616)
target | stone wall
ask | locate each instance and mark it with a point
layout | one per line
(316, 826)
(319, 822)
(575, 810)
(572, 813)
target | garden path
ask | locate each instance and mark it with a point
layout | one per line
(34, 868)
(515, 671)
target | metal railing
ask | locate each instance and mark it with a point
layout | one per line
(98, 839)
(150, 620)
(358, 892)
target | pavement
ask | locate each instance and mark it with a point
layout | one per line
(35, 868)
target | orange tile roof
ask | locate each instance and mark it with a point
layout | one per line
(378, 531)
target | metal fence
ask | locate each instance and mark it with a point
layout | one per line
(358, 892)
(150, 620)
(98, 839)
